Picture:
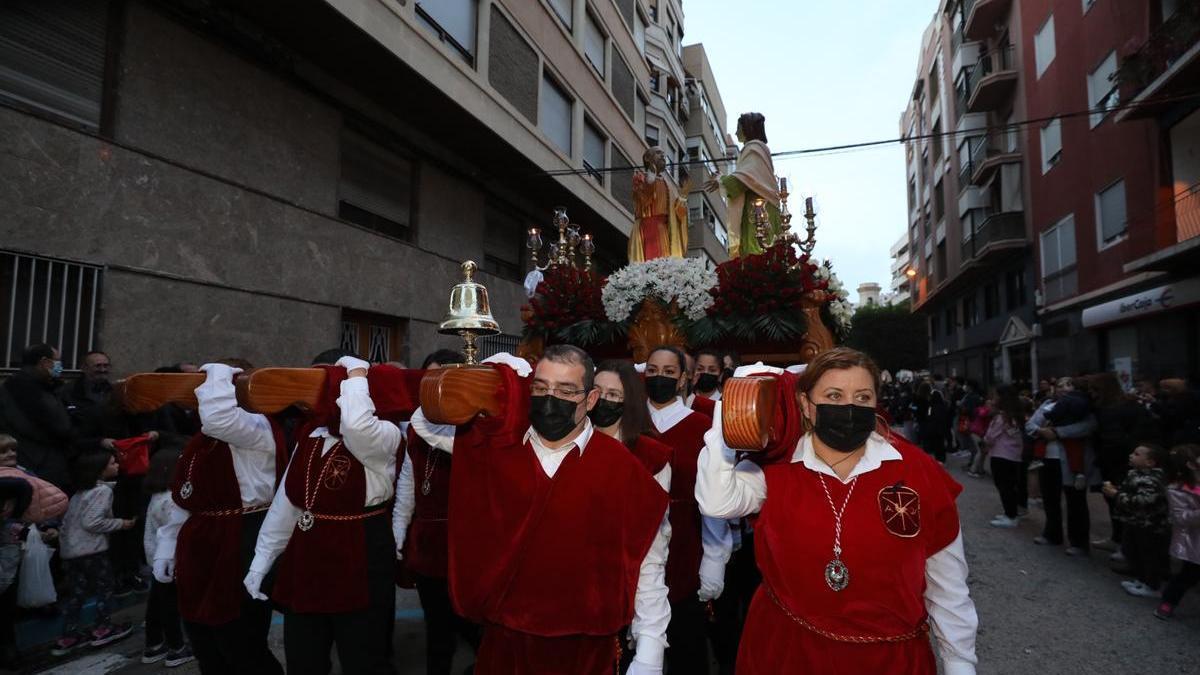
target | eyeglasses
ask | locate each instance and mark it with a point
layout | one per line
(538, 389)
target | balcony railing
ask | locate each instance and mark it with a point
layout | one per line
(995, 228)
(985, 92)
(989, 153)
(982, 16)
(1168, 42)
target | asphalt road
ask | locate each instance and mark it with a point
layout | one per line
(1040, 610)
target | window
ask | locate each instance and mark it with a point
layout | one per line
(948, 318)
(935, 143)
(970, 309)
(1058, 259)
(939, 199)
(51, 301)
(1043, 46)
(1014, 291)
(1102, 88)
(378, 337)
(376, 187)
(991, 300)
(654, 10)
(654, 81)
(554, 114)
(1051, 144)
(651, 135)
(1111, 218)
(53, 58)
(593, 43)
(503, 242)
(453, 21)
(934, 81)
(593, 151)
(912, 195)
(565, 12)
(639, 33)
(639, 111)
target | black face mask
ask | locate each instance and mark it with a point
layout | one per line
(552, 417)
(844, 427)
(661, 388)
(606, 413)
(707, 382)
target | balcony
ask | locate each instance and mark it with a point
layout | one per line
(982, 17)
(992, 152)
(1164, 68)
(995, 235)
(992, 81)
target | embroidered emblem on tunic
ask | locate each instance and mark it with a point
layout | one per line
(339, 471)
(900, 508)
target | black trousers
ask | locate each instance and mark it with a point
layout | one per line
(1118, 527)
(935, 445)
(162, 616)
(688, 636)
(363, 638)
(125, 548)
(1146, 551)
(741, 581)
(237, 647)
(1007, 476)
(1023, 486)
(1053, 491)
(1188, 577)
(442, 625)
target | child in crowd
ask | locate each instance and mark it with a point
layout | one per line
(1184, 499)
(1141, 504)
(164, 628)
(84, 552)
(1070, 407)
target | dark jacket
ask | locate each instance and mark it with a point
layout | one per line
(46, 440)
(1142, 500)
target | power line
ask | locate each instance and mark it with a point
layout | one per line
(863, 145)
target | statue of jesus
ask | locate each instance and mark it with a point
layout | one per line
(752, 178)
(660, 211)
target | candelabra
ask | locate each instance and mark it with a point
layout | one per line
(564, 252)
(762, 225)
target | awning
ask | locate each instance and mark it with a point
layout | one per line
(1139, 305)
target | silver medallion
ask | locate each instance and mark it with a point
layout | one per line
(837, 575)
(186, 490)
(306, 521)
(426, 488)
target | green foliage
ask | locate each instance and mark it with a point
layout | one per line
(893, 336)
(778, 326)
(591, 332)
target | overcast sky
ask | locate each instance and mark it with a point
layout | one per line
(824, 73)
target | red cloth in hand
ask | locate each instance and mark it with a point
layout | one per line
(133, 455)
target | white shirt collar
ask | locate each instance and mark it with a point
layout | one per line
(669, 416)
(581, 441)
(321, 432)
(878, 451)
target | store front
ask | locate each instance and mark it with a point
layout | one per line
(1151, 334)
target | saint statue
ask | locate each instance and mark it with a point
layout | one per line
(661, 213)
(752, 178)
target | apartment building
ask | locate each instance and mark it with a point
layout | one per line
(710, 152)
(900, 284)
(268, 179)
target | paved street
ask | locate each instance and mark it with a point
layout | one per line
(1040, 610)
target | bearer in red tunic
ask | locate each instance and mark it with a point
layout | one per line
(331, 522)
(419, 521)
(859, 543)
(551, 528)
(700, 546)
(223, 484)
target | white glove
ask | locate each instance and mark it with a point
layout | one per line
(518, 364)
(253, 584)
(217, 370)
(712, 579)
(164, 570)
(639, 367)
(797, 369)
(639, 668)
(756, 369)
(352, 363)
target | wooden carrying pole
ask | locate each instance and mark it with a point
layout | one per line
(270, 390)
(456, 394)
(748, 412)
(147, 392)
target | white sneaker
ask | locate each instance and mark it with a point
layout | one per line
(1141, 590)
(1117, 557)
(1004, 521)
(1129, 583)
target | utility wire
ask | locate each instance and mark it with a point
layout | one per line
(837, 149)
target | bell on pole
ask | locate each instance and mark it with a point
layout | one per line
(470, 314)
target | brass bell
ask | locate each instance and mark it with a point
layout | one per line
(470, 314)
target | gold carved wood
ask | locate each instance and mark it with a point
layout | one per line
(651, 328)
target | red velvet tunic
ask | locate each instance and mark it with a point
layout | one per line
(426, 543)
(209, 560)
(884, 551)
(549, 565)
(323, 570)
(704, 405)
(652, 453)
(687, 547)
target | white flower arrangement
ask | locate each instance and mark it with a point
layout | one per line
(683, 280)
(839, 304)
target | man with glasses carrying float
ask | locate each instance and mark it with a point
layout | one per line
(563, 525)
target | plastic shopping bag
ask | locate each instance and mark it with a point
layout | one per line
(35, 586)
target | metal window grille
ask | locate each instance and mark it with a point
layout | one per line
(45, 300)
(379, 348)
(349, 339)
(494, 344)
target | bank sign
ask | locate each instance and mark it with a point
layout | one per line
(1161, 299)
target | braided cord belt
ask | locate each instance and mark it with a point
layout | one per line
(353, 516)
(921, 629)
(245, 510)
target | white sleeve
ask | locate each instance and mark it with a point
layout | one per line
(438, 436)
(222, 419)
(951, 611)
(716, 537)
(724, 490)
(406, 501)
(651, 609)
(371, 440)
(276, 530)
(168, 532)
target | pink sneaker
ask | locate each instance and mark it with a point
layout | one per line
(69, 643)
(107, 634)
(1165, 611)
